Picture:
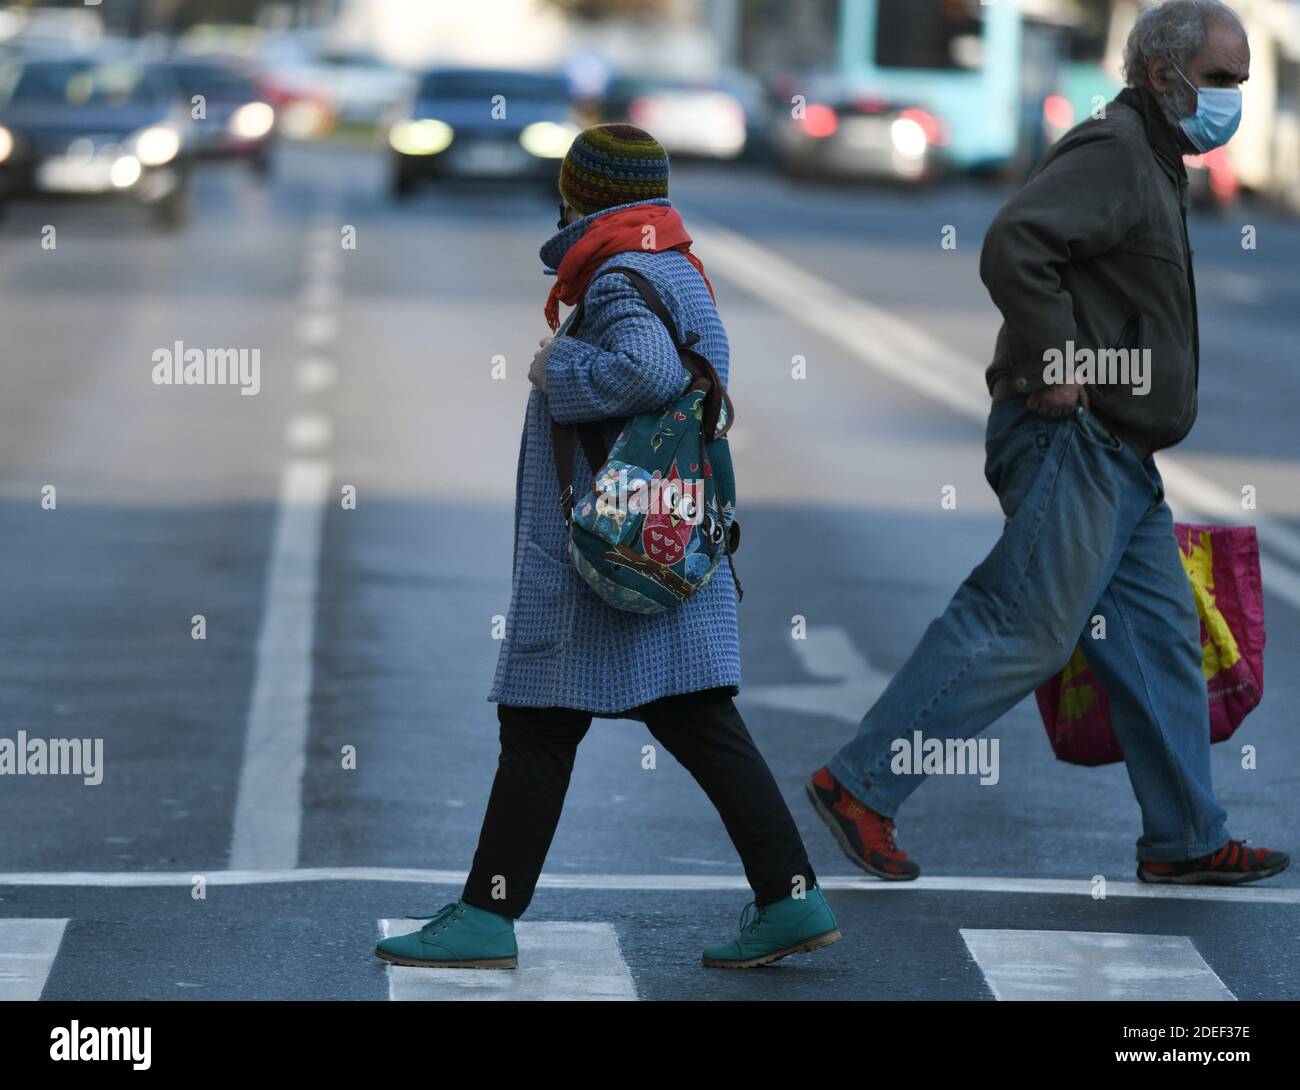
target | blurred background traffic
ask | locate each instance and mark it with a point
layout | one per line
(124, 98)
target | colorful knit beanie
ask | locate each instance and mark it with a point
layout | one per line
(608, 165)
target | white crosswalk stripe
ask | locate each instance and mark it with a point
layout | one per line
(557, 961)
(27, 952)
(1039, 965)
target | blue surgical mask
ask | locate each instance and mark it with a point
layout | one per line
(1218, 113)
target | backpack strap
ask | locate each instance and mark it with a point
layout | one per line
(590, 434)
(696, 363)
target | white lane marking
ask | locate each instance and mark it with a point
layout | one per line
(1094, 965)
(308, 432)
(827, 653)
(903, 352)
(325, 234)
(268, 807)
(27, 952)
(651, 882)
(315, 374)
(317, 329)
(557, 961)
(1237, 287)
(320, 294)
(886, 342)
(322, 262)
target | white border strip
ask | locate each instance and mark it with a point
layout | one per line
(685, 883)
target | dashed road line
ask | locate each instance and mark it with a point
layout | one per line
(315, 374)
(308, 432)
(268, 806)
(317, 329)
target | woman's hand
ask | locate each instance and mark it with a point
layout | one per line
(537, 369)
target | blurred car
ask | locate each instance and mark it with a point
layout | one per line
(705, 119)
(238, 123)
(861, 138)
(361, 87)
(35, 29)
(1212, 180)
(316, 86)
(482, 123)
(95, 127)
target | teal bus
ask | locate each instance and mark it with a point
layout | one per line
(958, 60)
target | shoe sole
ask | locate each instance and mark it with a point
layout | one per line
(1213, 878)
(477, 963)
(767, 959)
(843, 841)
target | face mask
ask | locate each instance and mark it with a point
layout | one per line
(1218, 113)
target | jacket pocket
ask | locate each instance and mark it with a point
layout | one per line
(544, 604)
(1162, 247)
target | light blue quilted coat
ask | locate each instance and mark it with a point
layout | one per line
(564, 646)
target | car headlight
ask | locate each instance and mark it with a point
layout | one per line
(125, 171)
(157, 144)
(427, 136)
(6, 143)
(252, 121)
(547, 139)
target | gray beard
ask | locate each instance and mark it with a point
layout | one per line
(1174, 106)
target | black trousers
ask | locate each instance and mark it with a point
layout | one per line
(707, 736)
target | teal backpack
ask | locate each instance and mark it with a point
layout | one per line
(660, 514)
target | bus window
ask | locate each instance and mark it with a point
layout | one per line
(942, 34)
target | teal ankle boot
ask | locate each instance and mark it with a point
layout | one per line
(790, 926)
(459, 936)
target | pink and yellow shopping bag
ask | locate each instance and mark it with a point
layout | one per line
(1222, 564)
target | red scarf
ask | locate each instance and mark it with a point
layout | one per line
(617, 233)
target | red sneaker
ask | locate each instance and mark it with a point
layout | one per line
(866, 837)
(1231, 865)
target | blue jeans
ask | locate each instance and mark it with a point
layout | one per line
(1088, 532)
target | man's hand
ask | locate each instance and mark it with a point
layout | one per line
(537, 369)
(1059, 400)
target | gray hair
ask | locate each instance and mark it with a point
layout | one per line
(1176, 30)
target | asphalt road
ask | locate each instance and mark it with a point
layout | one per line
(330, 626)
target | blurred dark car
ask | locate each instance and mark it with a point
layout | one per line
(860, 138)
(238, 123)
(478, 124)
(94, 127)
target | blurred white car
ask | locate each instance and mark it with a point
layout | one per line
(708, 119)
(317, 86)
(860, 138)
